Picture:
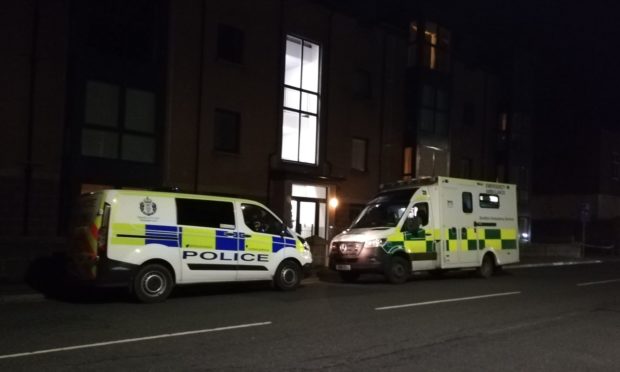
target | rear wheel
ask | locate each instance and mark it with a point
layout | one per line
(398, 270)
(152, 283)
(486, 267)
(349, 276)
(288, 276)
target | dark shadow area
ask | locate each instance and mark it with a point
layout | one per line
(330, 276)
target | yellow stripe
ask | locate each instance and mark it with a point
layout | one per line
(198, 238)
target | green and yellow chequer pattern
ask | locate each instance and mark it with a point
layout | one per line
(472, 240)
(483, 238)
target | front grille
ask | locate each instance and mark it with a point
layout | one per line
(347, 248)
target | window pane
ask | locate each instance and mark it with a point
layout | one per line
(441, 123)
(489, 201)
(309, 102)
(205, 213)
(468, 205)
(428, 96)
(138, 148)
(290, 135)
(308, 191)
(426, 120)
(140, 111)
(307, 133)
(322, 225)
(292, 72)
(430, 32)
(101, 104)
(291, 98)
(99, 143)
(230, 43)
(226, 131)
(307, 218)
(442, 100)
(260, 220)
(310, 78)
(358, 154)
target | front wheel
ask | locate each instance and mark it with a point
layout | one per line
(398, 270)
(152, 283)
(486, 267)
(288, 276)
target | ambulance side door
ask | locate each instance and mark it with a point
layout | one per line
(263, 236)
(209, 240)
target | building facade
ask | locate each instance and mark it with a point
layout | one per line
(297, 104)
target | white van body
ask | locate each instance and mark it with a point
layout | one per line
(153, 240)
(431, 224)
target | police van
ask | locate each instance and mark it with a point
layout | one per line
(430, 224)
(151, 241)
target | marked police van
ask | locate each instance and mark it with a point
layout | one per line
(151, 241)
(431, 224)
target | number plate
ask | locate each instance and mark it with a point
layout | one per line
(343, 267)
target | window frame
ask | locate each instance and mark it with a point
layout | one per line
(300, 112)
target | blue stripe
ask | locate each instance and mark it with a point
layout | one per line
(162, 228)
(226, 240)
(166, 242)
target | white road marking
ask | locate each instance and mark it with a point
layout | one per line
(128, 340)
(599, 282)
(448, 300)
(552, 264)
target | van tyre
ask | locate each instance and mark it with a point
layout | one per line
(487, 267)
(288, 276)
(398, 270)
(152, 283)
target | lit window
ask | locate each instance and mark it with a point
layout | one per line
(408, 161)
(489, 201)
(434, 45)
(301, 101)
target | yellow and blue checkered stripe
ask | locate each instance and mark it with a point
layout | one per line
(196, 238)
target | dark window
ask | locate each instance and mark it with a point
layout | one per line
(468, 203)
(433, 112)
(258, 219)
(206, 213)
(226, 131)
(489, 201)
(230, 43)
(420, 210)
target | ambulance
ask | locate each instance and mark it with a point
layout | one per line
(151, 241)
(430, 224)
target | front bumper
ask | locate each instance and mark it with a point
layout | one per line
(368, 260)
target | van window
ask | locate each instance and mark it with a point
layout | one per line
(468, 204)
(489, 201)
(420, 210)
(206, 213)
(258, 219)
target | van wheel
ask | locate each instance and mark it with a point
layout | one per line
(288, 276)
(349, 276)
(152, 283)
(486, 267)
(398, 270)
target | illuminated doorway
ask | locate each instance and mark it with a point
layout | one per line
(309, 210)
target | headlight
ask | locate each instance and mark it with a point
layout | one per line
(374, 243)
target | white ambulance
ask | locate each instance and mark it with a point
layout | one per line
(151, 241)
(431, 224)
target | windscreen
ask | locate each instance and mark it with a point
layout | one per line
(385, 210)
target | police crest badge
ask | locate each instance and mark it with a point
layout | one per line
(148, 206)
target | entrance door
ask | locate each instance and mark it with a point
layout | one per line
(309, 217)
(309, 210)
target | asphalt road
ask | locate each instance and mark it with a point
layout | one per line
(551, 319)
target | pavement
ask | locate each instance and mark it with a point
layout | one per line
(24, 292)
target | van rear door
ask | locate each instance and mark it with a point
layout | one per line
(85, 234)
